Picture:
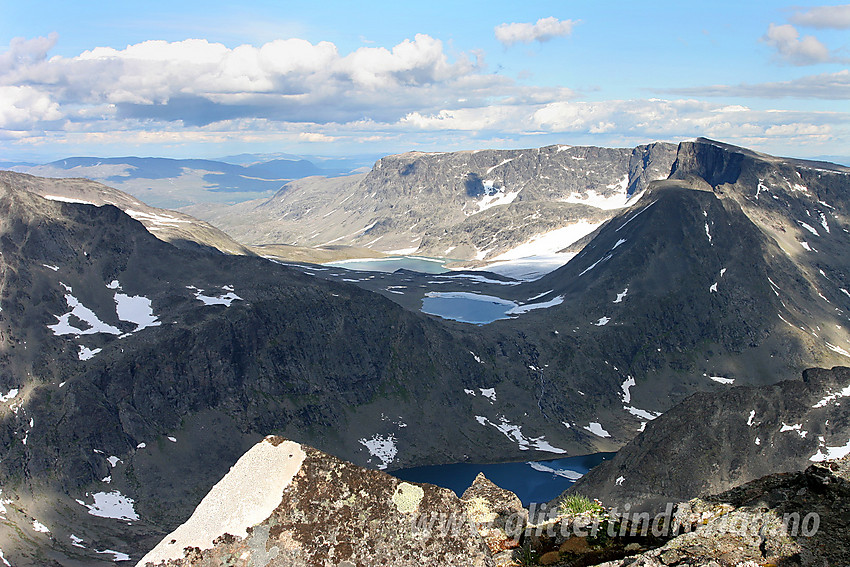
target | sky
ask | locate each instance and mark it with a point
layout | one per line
(207, 79)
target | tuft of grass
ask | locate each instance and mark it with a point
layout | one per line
(526, 555)
(578, 504)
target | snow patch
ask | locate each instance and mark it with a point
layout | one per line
(381, 447)
(494, 197)
(837, 349)
(83, 313)
(597, 429)
(750, 419)
(116, 555)
(225, 299)
(565, 473)
(67, 200)
(621, 296)
(520, 309)
(798, 427)
(112, 505)
(809, 228)
(832, 397)
(722, 380)
(157, 220)
(136, 309)
(9, 396)
(87, 353)
(626, 387)
(602, 321)
(591, 198)
(550, 242)
(641, 413)
(77, 541)
(489, 393)
(514, 433)
(39, 527)
(831, 453)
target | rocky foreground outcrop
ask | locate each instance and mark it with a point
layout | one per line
(288, 504)
(784, 519)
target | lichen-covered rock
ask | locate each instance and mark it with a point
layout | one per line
(497, 514)
(787, 519)
(320, 511)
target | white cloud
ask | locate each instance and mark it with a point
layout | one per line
(681, 119)
(793, 49)
(290, 92)
(199, 82)
(25, 51)
(20, 107)
(835, 17)
(829, 86)
(544, 30)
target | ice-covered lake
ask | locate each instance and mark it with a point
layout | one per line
(532, 482)
(479, 309)
(393, 263)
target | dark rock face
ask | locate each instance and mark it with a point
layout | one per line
(335, 513)
(790, 519)
(712, 442)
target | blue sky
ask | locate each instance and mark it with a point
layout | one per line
(205, 79)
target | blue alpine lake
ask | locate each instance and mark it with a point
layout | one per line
(532, 482)
(467, 307)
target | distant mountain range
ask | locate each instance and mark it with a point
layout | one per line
(171, 183)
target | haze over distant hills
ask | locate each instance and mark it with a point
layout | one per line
(172, 183)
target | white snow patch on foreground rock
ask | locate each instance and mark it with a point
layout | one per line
(246, 496)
